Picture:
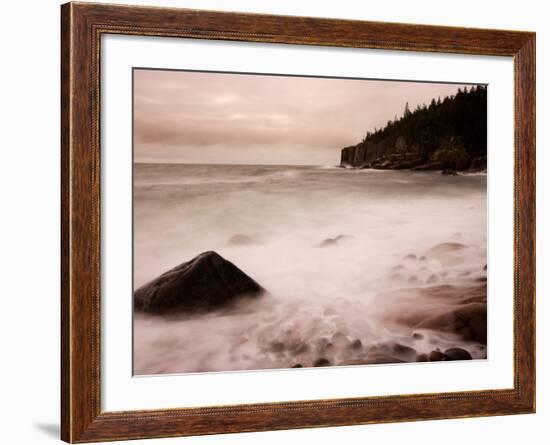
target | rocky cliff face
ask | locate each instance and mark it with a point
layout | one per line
(446, 135)
(394, 153)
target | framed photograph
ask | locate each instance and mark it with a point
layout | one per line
(275, 222)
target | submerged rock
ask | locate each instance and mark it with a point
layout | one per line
(207, 282)
(327, 242)
(448, 254)
(432, 279)
(276, 346)
(241, 240)
(447, 248)
(333, 241)
(380, 359)
(449, 172)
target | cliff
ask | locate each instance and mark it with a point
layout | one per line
(444, 135)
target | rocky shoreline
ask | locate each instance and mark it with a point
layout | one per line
(210, 286)
(446, 161)
(448, 135)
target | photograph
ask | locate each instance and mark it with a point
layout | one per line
(285, 221)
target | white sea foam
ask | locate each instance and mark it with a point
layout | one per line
(317, 295)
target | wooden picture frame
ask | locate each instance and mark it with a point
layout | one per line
(82, 25)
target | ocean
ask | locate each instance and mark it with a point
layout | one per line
(348, 257)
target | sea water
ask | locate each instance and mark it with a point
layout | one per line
(383, 224)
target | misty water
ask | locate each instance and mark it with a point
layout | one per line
(353, 261)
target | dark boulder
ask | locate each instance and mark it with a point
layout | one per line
(321, 362)
(436, 356)
(457, 354)
(207, 282)
(469, 321)
(403, 352)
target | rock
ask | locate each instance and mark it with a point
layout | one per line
(380, 359)
(340, 340)
(277, 346)
(356, 345)
(327, 242)
(447, 248)
(422, 258)
(241, 240)
(205, 283)
(321, 362)
(448, 254)
(422, 358)
(343, 237)
(355, 361)
(396, 278)
(479, 164)
(452, 155)
(410, 256)
(297, 347)
(449, 172)
(485, 267)
(457, 354)
(298, 365)
(324, 346)
(432, 279)
(469, 321)
(413, 279)
(417, 336)
(404, 352)
(436, 356)
(333, 241)
(429, 166)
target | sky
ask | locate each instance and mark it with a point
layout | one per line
(220, 118)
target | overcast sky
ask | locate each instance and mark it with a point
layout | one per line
(260, 119)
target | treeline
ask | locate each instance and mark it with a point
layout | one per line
(448, 133)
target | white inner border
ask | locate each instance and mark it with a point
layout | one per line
(121, 391)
